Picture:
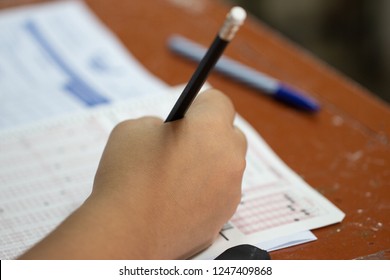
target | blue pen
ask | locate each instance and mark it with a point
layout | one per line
(246, 75)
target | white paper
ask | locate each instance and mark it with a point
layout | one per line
(58, 58)
(276, 203)
(287, 241)
(47, 169)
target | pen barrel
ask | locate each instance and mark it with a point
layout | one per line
(224, 65)
(198, 79)
(247, 75)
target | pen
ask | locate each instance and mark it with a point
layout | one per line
(233, 20)
(246, 75)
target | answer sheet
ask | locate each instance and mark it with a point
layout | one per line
(47, 171)
(49, 68)
(58, 58)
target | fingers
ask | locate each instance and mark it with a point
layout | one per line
(242, 139)
(217, 107)
(213, 104)
(143, 121)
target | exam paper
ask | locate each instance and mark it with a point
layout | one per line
(47, 171)
(277, 206)
(57, 58)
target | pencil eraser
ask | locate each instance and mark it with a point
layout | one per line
(238, 15)
(234, 19)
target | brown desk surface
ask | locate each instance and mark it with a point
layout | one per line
(342, 151)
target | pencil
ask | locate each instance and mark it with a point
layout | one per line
(233, 21)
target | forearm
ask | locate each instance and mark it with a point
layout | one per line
(96, 230)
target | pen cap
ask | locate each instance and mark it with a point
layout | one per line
(234, 19)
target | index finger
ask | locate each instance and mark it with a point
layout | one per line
(213, 104)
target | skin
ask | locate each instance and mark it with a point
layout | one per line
(161, 191)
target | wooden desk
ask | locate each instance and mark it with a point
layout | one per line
(343, 151)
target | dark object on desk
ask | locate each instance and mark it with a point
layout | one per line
(244, 252)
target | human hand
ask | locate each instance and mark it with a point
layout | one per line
(180, 181)
(162, 190)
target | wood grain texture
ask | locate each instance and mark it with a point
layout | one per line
(342, 151)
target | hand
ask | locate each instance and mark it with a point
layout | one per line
(162, 190)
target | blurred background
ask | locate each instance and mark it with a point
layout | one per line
(353, 36)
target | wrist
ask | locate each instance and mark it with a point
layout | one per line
(119, 232)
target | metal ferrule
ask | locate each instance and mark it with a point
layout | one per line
(229, 28)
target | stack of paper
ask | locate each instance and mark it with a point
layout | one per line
(47, 164)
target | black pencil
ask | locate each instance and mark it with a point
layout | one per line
(234, 19)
